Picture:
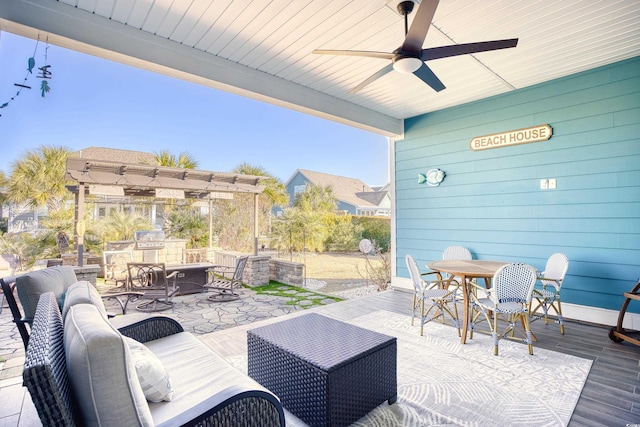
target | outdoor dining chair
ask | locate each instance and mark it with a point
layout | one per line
(547, 291)
(452, 253)
(437, 294)
(225, 282)
(156, 286)
(508, 300)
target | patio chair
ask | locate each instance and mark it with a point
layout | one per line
(507, 300)
(156, 286)
(31, 285)
(436, 293)
(115, 267)
(547, 291)
(225, 282)
(452, 253)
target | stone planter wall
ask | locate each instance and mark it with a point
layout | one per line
(262, 268)
(256, 272)
(88, 273)
(287, 272)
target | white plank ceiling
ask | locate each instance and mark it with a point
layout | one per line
(262, 48)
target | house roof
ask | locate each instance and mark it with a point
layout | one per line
(349, 190)
(115, 155)
(263, 50)
(374, 197)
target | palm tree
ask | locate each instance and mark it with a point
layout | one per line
(309, 222)
(121, 226)
(275, 191)
(184, 160)
(4, 181)
(38, 179)
(234, 218)
(317, 198)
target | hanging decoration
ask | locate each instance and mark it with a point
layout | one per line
(45, 75)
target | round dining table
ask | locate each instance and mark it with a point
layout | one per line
(465, 270)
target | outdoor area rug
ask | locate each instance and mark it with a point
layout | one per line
(443, 382)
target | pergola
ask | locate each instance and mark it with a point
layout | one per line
(123, 179)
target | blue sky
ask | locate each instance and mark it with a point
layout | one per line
(95, 102)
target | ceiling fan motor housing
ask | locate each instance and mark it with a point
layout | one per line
(405, 7)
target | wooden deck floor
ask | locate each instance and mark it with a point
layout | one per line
(611, 395)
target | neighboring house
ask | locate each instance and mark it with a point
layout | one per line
(353, 195)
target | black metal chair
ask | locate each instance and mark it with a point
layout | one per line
(225, 282)
(41, 281)
(156, 286)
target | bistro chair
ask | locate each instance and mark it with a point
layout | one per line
(436, 293)
(156, 286)
(547, 291)
(225, 282)
(456, 253)
(508, 300)
(452, 253)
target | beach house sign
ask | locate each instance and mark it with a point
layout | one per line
(512, 137)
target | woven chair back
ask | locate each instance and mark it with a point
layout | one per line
(556, 268)
(514, 283)
(414, 272)
(456, 253)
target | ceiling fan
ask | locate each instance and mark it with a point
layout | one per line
(411, 57)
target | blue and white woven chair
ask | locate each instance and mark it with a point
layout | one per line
(547, 291)
(456, 253)
(439, 295)
(507, 300)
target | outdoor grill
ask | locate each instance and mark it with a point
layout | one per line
(147, 240)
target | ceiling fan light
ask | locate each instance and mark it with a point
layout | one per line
(407, 65)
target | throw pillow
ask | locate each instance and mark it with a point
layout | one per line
(153, 377)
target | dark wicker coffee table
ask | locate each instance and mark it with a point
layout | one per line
(326, 372)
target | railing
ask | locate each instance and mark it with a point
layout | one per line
(227, 259)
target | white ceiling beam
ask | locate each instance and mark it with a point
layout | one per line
(75, 29)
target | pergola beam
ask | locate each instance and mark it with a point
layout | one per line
(144, 181)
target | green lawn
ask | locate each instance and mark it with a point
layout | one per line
(294, 294)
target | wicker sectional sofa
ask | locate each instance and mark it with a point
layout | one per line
(83, 372)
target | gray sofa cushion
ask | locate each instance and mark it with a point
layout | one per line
(101, 372)
(200, 377)
(83, 292)
(33, 284)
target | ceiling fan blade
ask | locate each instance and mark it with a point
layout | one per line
(373, 78)
(365, 53)
(426, 75)
(420, 26)
(466, 48)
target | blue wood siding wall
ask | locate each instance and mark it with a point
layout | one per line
(299, 179)
(491, 201)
